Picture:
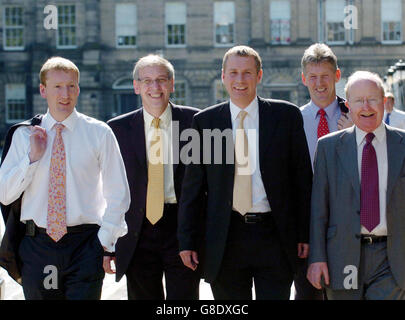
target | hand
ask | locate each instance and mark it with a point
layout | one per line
(38, 139)
(303, 249)
(345, 121)
(189, 258)
(107, 264)
(316, 271)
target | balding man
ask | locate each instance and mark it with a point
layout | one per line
(357, 236)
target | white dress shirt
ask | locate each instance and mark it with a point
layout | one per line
(166, 129)
(97, 190)
(380, 145)
(251, 124)
(397, 118)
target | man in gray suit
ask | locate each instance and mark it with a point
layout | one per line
(357, 234)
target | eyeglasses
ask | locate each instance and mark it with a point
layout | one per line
(149, 82)
(357, 102)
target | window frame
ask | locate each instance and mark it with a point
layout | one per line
(233, 32)
(117, 45)
(180, 45)
(7, 103)
(5, 28)
(69, 46)
(382, 25)
(279, 23)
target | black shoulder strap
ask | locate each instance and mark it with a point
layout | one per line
(31, 122)
(342, 106)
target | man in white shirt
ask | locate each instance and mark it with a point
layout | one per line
(357, 207)
(72, 179)
(393, 116)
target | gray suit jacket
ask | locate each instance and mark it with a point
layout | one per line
(335, 205)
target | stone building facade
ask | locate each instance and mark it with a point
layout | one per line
(105, 38)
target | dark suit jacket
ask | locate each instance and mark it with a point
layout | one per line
(335, 212)
(285, 170)
(130, 133)
(15, 229)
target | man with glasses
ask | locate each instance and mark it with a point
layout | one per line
(357, 237)
(149, 142)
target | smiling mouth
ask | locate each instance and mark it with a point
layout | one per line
(367, 115)
(240, 88)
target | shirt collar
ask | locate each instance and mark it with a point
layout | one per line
(252, 109)
(70, 122)
(330, 109)
(379, 133)
(165, 118)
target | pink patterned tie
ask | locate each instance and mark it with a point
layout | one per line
(323, 124)
(370, 204)
(56, 219)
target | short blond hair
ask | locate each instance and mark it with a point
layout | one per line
(364, 75)
(57, 63)
(243, 51)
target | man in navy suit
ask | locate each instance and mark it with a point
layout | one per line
(150, 249)
(257, 220)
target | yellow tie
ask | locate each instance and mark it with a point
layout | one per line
(155, 192)
(242, 188)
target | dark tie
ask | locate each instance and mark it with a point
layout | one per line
(370, 204)
(323, 124)
(387, 119)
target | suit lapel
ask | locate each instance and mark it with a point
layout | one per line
(347, 153)
(395, 157)
(138, 139)
(177, 120)
(268, 122)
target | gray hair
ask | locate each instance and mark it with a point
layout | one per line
(153, 60)
(364, 75)
(317, 53)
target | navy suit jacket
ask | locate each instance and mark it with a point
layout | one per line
(285, 170)
(130, 133)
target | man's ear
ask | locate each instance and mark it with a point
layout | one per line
(136, 87)
(303, 79)
(338, 74)
(42, 90)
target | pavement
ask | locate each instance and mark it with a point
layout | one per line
(111, 290)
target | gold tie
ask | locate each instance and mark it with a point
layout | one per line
(155, 192)
(242, 188)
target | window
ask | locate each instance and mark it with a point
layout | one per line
(66, 36)
(220, 92)
(280, 22)
(176, 15)
(125, 100)
(179, 96)
(15, 102)
(125, 25)
(13, 26)
(391, 12)
(224, 20)
(332, 22)
(334, 14)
